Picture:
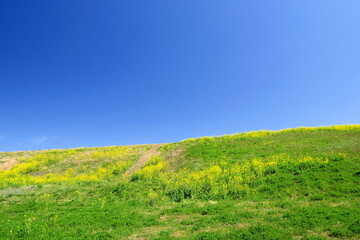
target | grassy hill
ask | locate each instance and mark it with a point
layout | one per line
(291, 184)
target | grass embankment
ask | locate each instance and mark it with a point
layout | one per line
(291, 184)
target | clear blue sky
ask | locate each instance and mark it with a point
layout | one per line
(98, 73)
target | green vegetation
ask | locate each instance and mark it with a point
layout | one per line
(291, 184)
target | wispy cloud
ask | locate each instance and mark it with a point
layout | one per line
(39, 140)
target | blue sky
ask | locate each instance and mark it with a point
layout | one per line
(99, 73)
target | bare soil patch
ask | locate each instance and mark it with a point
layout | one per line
(7, 163)
(143, 160)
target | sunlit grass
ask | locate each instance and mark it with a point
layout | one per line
(289, 184)
(64, 166)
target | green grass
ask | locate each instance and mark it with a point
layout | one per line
(291, 184)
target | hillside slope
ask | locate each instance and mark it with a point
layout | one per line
(291, 184)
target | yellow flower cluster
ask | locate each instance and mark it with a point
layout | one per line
(21, 174)
(109, 152)
(153, 170)
(223, 179)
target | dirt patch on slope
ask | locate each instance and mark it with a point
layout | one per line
(7, 163)
(143, 160)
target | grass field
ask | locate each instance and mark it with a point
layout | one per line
(291, 184)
